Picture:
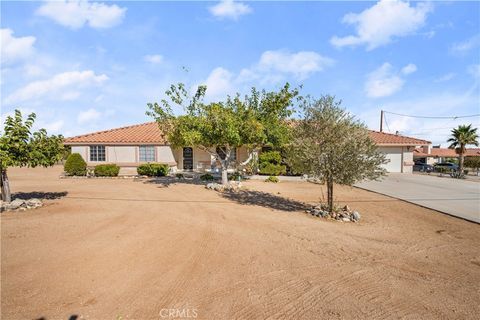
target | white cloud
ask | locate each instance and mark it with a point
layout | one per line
(274, 66)
(409, 68)
(77, 13)
(446, 77)
(14, 49)
(63, 86)
(89, 115)
(301, 64)
(467, 45)
(385, 81)
(230, 9)
(154, 58)
(52, 127)
(219, 83)
(474, 70)
(444, 103)
(378, 25)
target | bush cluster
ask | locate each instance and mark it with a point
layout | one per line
(153, 169)
(206, 177)
(75, 165)
(270, 163)
(236, 176)
(106, 170)
(273, 179)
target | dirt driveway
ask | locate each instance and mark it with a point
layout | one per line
(120, 249)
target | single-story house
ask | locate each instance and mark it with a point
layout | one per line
(432, 155)
(131, 146)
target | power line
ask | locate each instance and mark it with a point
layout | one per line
(432, 117)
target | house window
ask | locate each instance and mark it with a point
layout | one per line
(97, 153)
(147, 153)
(233, 154)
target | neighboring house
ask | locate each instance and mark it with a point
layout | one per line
(430, 155)
(398, 149)
(131, 146)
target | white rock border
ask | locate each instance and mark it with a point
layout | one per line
(21, 205)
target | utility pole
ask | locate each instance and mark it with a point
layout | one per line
(381, 120)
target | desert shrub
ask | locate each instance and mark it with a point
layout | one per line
(206, 177)
(106, 170)
(272, 169)
(75, 165)
(153, 169)
(270, 163)
(472, 162)
(273, 179)
(270, 157)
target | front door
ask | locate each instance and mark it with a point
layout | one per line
(187, 158)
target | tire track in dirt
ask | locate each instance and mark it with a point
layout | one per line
(200, 251)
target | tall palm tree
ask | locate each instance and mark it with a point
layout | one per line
(462, 136)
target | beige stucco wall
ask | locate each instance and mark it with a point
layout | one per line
(202, 160)
(242, 154)
(128, 156)
(407, 160)
(82, 150)
(121, 154)
(165, 154)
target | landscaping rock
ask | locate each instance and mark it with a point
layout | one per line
(34, 202)
(344, 214)
(15, 204)
(356, 216)
(232, 186)
(21, 205)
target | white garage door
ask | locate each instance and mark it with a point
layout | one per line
(394, 155)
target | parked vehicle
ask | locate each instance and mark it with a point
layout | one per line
(447, 165)
(422, 167)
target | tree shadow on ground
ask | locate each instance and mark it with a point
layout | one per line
(264, 199)
(39, 195)
(72, 317)
(165, 182)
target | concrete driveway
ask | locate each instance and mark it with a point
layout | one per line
(460, 198)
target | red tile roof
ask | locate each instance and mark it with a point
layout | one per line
(445, 152)
(145, 133)
(149, 133)
(389, 139)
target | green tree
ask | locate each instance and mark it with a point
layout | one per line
(331, 145)
(219, 127)
(461, 137)
(20, 147)
(473, 163)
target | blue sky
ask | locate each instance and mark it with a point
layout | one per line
(86, 66)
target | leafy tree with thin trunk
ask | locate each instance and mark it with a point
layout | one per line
(461, 137)
(218, 128)
(20, 147)
(331, 145)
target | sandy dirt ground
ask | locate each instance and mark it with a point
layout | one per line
(123, 249)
